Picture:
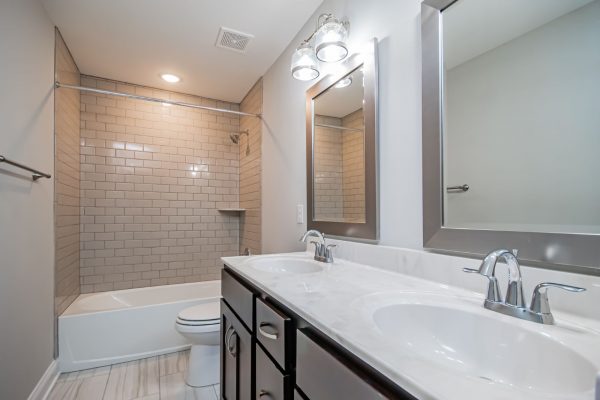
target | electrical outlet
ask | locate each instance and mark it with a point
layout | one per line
(300, 213)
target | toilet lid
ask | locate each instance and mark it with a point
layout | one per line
(205, 313)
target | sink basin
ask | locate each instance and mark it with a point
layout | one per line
(468, 341)
(285, 265)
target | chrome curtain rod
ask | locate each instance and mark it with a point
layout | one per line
(343, 128)
(36, 174)
(153, 99)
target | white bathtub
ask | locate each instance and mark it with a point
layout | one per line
(112, 327)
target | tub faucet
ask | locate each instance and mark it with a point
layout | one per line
(322, 249)
(514, 304)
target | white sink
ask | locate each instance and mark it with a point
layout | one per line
(285, 265)
(463, 338)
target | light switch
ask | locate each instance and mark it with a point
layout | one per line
(300, 213)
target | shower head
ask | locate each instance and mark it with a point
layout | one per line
(235, 138)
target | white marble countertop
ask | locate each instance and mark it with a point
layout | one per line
(333, 301)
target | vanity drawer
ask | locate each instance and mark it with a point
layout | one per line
(274, 330)
(238, 297)
(270, 383)
(322, 376)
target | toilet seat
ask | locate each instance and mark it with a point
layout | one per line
(200, 315)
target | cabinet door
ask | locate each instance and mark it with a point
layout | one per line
(236, 357)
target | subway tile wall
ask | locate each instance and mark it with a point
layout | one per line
(340, 169)
(353, 181)
(66, 180)
(152, 180)
(250, 171)
(328, 170)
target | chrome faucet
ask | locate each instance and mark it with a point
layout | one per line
(514, 304)
(322, 249)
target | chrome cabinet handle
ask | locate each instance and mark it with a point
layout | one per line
(228, 336)
(272, 336)
(263, 393)
(539, 301)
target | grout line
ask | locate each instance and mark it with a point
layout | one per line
(106, 383)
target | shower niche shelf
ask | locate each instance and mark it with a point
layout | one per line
(231, 210)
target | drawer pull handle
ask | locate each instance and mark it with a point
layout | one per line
(269, 335)
(263, 393)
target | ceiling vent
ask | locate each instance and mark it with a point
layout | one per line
(233, 40)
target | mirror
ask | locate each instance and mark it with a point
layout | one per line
(521, 116)
(341, 150)
(511, 126)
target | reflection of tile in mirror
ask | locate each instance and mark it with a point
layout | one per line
(339, 166)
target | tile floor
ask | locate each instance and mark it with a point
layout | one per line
(154, 378)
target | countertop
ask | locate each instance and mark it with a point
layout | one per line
(337, 302)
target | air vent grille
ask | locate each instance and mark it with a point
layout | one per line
(233, 40)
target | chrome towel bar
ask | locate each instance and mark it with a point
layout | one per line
(35, 173)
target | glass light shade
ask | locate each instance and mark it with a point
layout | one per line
(304, 63)
(330, 41)
(347, 81)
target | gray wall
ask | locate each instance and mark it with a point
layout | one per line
(522, 130)
(26, 217)
(397, 25)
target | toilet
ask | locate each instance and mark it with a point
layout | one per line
(201, 325)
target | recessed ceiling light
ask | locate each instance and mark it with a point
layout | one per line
(170, 78)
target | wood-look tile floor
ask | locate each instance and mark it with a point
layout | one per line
(154, 378)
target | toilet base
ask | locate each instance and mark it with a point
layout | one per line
(204, 365)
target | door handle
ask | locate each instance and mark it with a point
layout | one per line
(461, 188)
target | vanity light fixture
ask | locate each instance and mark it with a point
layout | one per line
(347, 81)
(329, 46)
(330, 40)
(170, 78)
(304, 63)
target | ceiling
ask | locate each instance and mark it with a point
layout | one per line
(473, 27)
(137, 40)
(339, 102)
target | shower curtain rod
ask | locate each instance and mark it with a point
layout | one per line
(153, 99)
(342, 128)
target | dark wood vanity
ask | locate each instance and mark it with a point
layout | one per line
(270, 353)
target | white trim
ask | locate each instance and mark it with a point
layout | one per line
(46, 382)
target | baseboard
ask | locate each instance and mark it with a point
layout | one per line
(46, 382)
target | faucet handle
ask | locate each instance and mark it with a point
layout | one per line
(493, 293)
(539, 301)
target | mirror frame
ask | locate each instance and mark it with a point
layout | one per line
(368, 230)
(576, 253)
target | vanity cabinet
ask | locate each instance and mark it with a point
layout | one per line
(270, 353)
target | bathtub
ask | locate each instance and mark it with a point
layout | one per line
(111, 327)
